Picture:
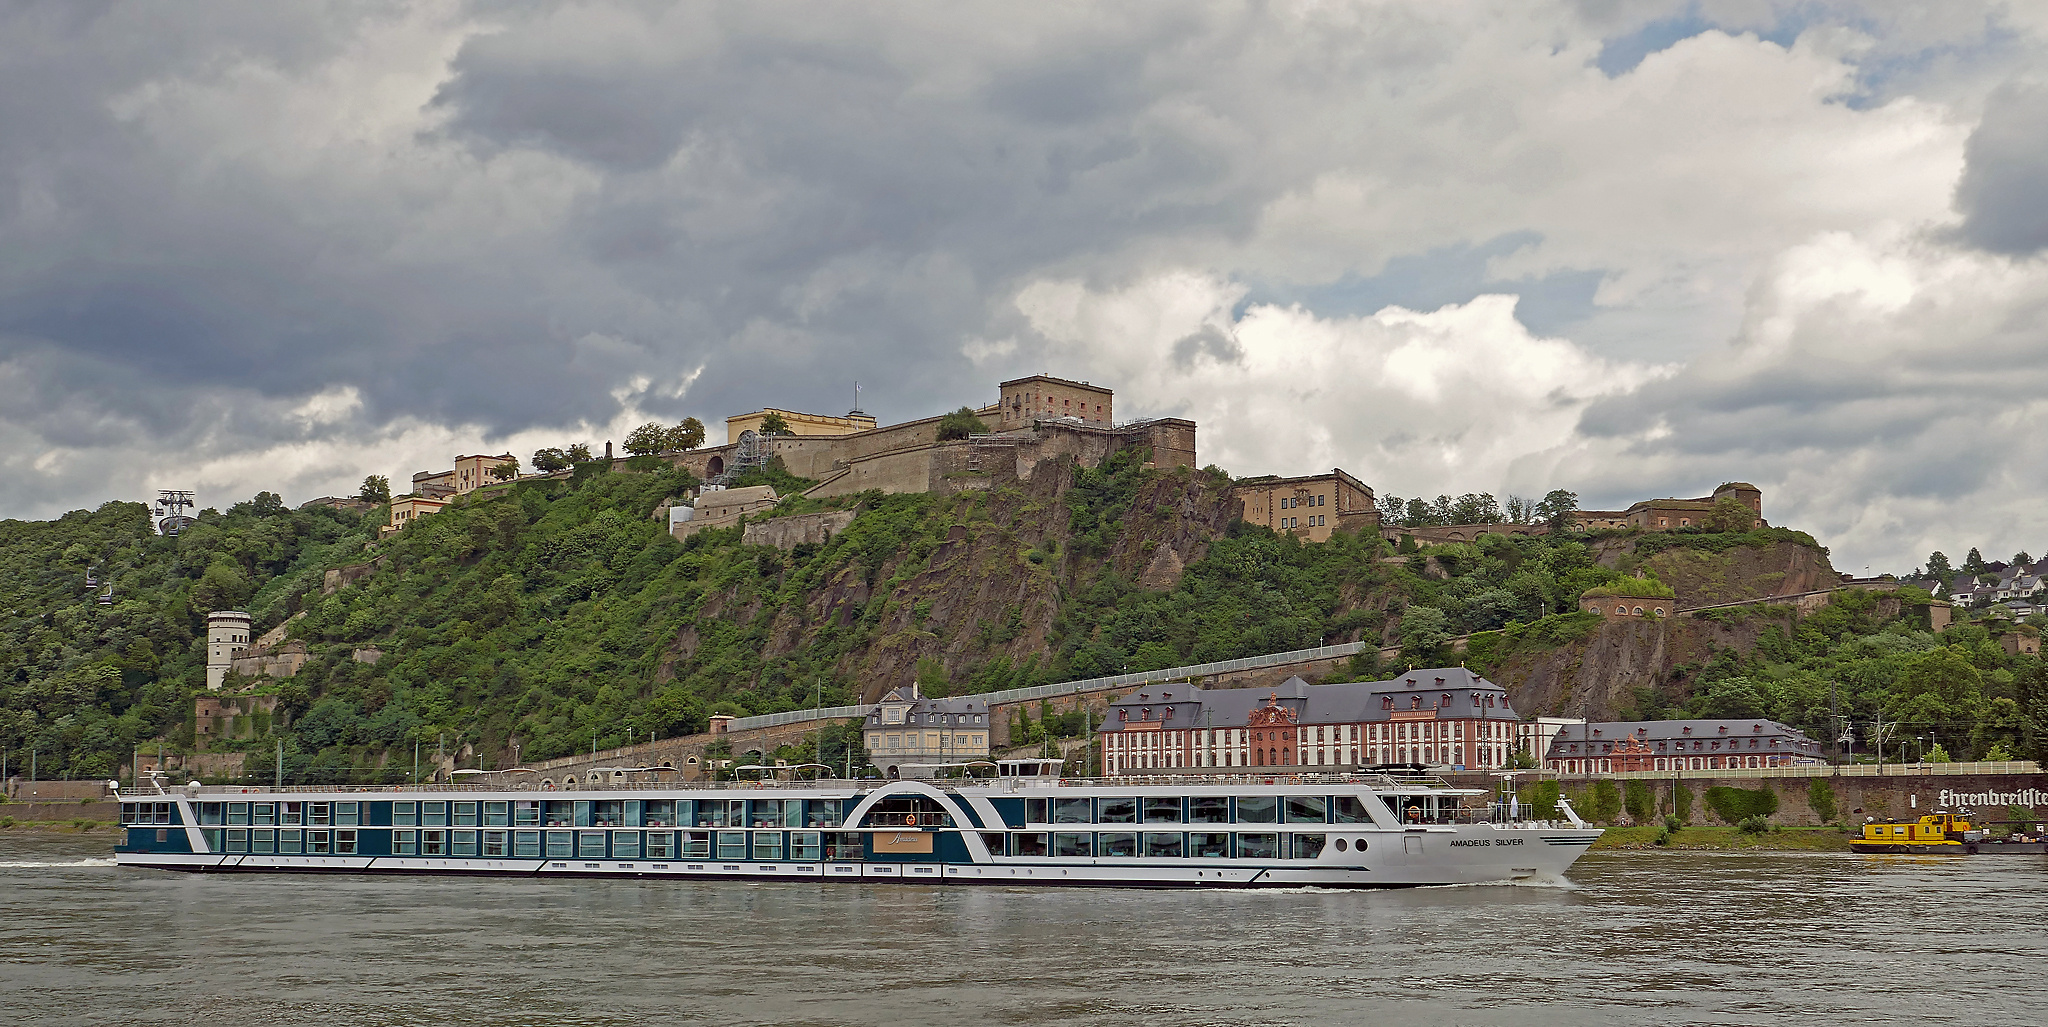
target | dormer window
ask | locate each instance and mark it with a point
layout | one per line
(1168, 715)
(1414, 702)
(1123, 715)
(1724, 729)
(1386, 702)
(1445, 700)
(1147, 714)
(1688, 729)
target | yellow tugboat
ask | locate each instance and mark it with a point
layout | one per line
(1935, 832)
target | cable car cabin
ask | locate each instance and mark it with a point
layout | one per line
(1935, 832)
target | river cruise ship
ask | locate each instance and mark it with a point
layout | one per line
(1027, 825)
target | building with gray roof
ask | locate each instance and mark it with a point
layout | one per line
(1614, 747)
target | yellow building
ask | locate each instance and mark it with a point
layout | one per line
(406, 509)
(1311, 506)
(1023, 400)
(906, 728)
(799, 423)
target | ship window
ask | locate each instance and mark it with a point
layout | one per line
(768, 845)
(659, 844)
(433, 814)
(318, 842)
(238, 813)
(1209, 809)
(732, 845)
(404, 814)
(1122, 810)
(294, 814)
(1308, 846)
(1340, 845)
(590, 843)
(526, 843)
(494, 814)
(238, 840)
(494, 843)
(625, 845)
(344, 843)
(1064, 844)
(461, 843)
(1028, 844)
(804, 845)
(1305, 809)
(1162, 810)
(465, 814)
(1209, 846)
(405, 843)
(696, 845)
(264, 841)
(1258, 846)
(433, 843)
(561, 844)
(1070, 811)
(1348, 809)
(1117, 845)
(526, 813)
(1034, 811)
(263, 814)
(1258, 809)
(1162, 845)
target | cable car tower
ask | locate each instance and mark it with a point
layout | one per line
(171, 505)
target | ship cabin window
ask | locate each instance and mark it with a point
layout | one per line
(767, 844)
(344, 842)
(1065, 844)
(1258, 846)
(1162, 810)
(238, 840)
(696, 844)
(1070, 811)
(1306, 809)
(658, 813)
(1209, 846)
(404, 814)
(526, 813)
(1162, 846)
(294, 813)
(238, 813)
(1030, 843)
(732, 845)
(263, 842)
(461, 843)
(607, 813)
(1117, 845)
(526, 843)
(209, 813)
(263, 814)
(1348, 809)
(590, 843)
(465, 814)
(1209, 809)
(561, 844)
(823, 813)
(405, 843)
(496, 815)
(319, 843)
(1121, 810)
(625, 845)
(557, 812)
(807, 845)
(1258, 809)
(1308, 846)
(320, 814)
(659, 844)
(433, 843)
(494, 843)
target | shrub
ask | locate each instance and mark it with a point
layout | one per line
(1672, 823)
(1753, 825)
(1640, 800)
(1543, 799)
(1681, 800)
(1820, 796)
(1663, 836)
(1735, 805)
(1604, 803)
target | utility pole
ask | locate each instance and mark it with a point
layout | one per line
(279, 768)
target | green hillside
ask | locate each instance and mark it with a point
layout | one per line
(554, 614)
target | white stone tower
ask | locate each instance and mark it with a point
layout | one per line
(227, 633)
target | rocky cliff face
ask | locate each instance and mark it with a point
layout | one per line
(1705, 578)
(989, 587)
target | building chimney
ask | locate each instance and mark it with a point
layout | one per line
(607, 449)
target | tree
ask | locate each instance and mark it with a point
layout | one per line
(506, 471)
(960, 424)
(1556, 507)
(1425, 632)
(548, 461)
(1519, 510)
(266, 504)
(1974, 563)
(1938, 754)
(1729, 514)
(2022, 559)
(687, 435)
(646, 440)
(1938, 568)
(376, 489)
(773, 424)
(578, 453)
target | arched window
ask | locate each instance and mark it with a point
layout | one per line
(1621, 610)
(1639, 611)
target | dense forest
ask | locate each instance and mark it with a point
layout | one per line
(549, 615)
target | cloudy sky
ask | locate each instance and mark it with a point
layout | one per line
(1629, 248)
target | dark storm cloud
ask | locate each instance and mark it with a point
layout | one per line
(2003, 195)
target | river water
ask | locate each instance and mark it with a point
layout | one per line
(1632, 938)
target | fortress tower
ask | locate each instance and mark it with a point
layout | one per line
(227, 633)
